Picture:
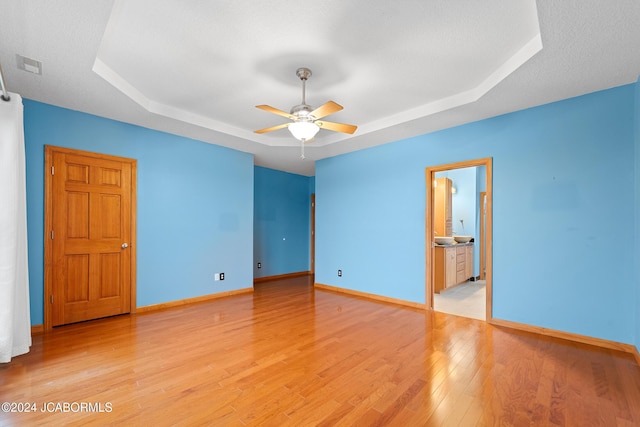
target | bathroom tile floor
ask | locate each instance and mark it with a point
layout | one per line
(466, 300)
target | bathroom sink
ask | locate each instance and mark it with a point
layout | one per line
(462, 239)
(443, 240)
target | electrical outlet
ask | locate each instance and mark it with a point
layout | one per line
(221, 276)
(339, 273)
(259, 265)
(216, 276)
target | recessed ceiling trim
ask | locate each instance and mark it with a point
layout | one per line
(528, 51)
(518, 59)
(117, 81)
(199, 120)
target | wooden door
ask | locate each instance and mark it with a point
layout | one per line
(90, 211)
(442, 209)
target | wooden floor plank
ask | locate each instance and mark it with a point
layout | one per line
(292, 355)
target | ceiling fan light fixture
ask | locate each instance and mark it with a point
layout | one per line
(303, 130)
(306, 120)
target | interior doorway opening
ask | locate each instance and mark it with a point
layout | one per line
(453, 267)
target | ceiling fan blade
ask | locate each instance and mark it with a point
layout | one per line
(337, 127)
(270, 109)
(272, 128)
(325, 109)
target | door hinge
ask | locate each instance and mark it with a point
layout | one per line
(53, 170)
(51, 299)
(51, 234)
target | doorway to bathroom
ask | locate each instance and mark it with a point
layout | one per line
(458, 238)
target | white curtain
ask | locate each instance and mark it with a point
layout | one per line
(15, 323)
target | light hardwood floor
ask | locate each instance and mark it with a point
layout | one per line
(289, 355)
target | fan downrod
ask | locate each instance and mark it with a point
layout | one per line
(302, 110)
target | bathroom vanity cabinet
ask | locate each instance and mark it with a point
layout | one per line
(453, 265)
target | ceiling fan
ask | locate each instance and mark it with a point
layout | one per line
(305, 121)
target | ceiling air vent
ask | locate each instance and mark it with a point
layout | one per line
(29, 65)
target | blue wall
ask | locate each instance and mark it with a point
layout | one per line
(561, 172)
(281, 222)
(562, 178)
(195, 204)
(637, 212)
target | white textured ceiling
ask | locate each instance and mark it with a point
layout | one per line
(198, 68)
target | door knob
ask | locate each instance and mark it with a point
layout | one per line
(125, 246)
